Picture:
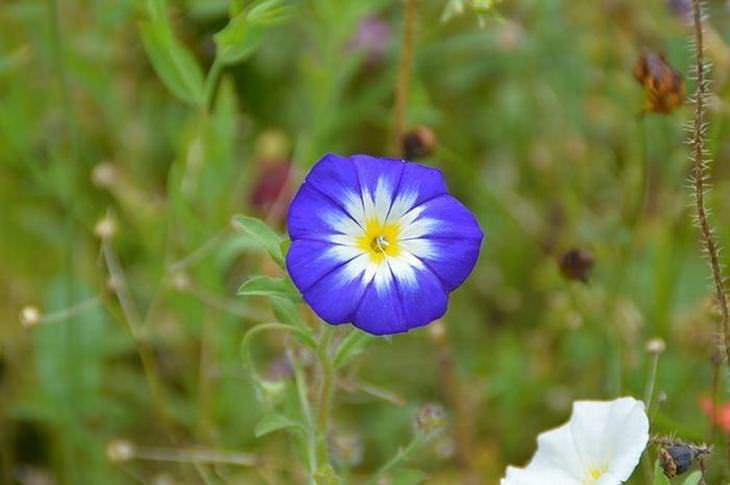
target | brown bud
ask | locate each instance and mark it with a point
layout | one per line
(576, 264)
(418, 143)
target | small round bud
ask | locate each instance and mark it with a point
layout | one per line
(105, 228)
(181, 282)
(120, 450)
(437, 331)
(576, 264)
(431, 418)
(347, 448)
(104, 175)
(656, 346)
(419, 142)
(272, 145)
(30, 316)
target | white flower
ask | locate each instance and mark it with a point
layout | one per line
(600, 445)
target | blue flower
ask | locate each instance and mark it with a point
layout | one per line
(379, 243)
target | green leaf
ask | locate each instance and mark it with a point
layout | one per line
(409, 476)
(326, 475)
(275, 422)
(174, 65)
(264, 236)
(244, 31)
(269, 286)
(355, 343)
(693, 479)
(659, 477)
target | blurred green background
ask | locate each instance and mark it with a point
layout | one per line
(536, 115)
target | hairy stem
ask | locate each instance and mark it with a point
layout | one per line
(699, 166)
(404, 76)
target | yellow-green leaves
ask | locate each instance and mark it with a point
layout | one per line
(175, 66)
(243, 33)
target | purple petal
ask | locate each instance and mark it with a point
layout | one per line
(397, 303)
(309, 261)
(317, 216)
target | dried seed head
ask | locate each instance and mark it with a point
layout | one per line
(418, 143)
(656, 346)
(30, 316)
(576, 264)
(120, 451)
(663, 85)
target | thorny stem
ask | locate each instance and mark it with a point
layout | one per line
(404, 76)
(699, 164)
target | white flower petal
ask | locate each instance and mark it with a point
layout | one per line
(600, 445)
(537, 476)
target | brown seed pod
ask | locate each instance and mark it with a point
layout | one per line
(663, 85)
(576, 264)
(418, 142)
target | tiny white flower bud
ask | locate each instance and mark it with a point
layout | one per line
(181, 281)
(120, 450)
(104, 174)
(656, 346)
(30, 316)
(105, 228)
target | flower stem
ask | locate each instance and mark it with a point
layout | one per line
(210, 83)
(310, 439)
(326, 393)
(404, 76)
(401, 456)
(650, 383)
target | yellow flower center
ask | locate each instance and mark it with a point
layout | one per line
(379, 240)
(594, 474)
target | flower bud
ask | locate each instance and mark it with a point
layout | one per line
(576, 264)
(105, 228)
(656, 346)
(120, 451)
(30, 316)
(420, 142)
(104, 175)
(430, 419)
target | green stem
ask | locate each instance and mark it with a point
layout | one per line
(326, 393)
(210, 84)
(650, 383)
(399, 457)
(310, 444)
(403, 81)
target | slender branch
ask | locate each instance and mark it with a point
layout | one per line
(404, 77)
(699, 166)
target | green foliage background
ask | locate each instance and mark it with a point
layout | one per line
(536, 115)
